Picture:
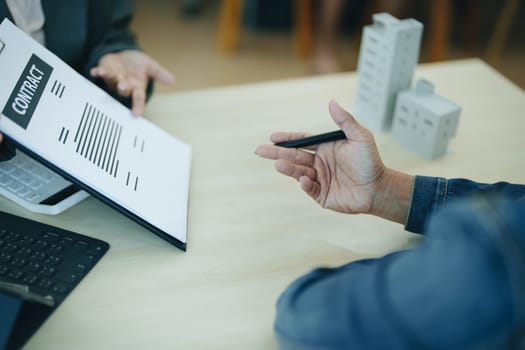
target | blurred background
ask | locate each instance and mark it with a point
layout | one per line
(208, 43)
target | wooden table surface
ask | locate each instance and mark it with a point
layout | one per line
(252, 231)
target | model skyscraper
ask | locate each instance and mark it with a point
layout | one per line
(387, 58)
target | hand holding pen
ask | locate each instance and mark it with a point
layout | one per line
(343, 175)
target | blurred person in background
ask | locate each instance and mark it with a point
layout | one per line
(462, 287)
(326, 52)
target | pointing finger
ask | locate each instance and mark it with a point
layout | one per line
(138, 100)
(290, 154)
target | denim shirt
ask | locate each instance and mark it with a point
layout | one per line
(462, 287)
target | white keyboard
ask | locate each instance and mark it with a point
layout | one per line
(35, 187)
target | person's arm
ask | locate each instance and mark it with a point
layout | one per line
(461, 288)
(346, 176)
(433, 193)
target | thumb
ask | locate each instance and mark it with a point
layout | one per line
(345, 121)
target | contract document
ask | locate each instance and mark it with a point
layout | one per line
(69, 124)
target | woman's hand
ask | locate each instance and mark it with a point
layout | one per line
(128, 73)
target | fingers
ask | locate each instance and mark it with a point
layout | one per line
(128, 72)
(350, 126)
(98, 72)
(290, 162)
(154, 71)
(138, 100)
(290, 154)
(157, 72)
(105, 74)
(113, 78)
(277, 137)
(294, 170)
(311, 187)
(126, 86)
(122, 84)
(1, 138)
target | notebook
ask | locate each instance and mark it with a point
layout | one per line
(64, 121)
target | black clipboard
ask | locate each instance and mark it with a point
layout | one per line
(70, 125)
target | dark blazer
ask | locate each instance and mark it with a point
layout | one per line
(82, 31)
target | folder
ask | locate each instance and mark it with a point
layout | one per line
(66, 122)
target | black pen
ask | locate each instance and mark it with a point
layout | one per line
(314, 140)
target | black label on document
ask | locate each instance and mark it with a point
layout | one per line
(27, 92)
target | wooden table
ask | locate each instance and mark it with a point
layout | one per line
(251, 230)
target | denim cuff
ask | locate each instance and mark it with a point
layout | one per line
(428, 195)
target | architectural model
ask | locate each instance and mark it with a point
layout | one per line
(387, 58)
(423, 121)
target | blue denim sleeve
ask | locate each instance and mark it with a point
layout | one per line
(430, 194)
(462, 287)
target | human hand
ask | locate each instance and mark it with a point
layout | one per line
(128, 73)
(342, 176)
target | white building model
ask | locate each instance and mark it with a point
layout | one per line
(423, 121)
(387, 58)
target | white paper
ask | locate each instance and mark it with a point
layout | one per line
(83, 131)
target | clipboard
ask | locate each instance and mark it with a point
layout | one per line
(66, 122)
